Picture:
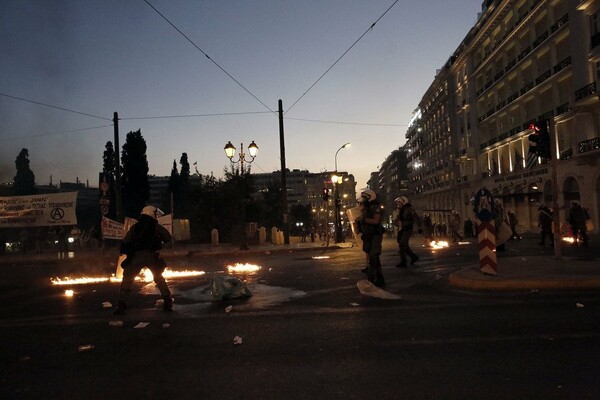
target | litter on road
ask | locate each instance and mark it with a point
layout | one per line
(368, 289)
(141, 325)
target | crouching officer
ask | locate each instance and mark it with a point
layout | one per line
(142, 245)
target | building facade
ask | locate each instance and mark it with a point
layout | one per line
(524, 62)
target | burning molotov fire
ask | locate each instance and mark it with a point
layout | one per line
(439, 245)
(320, 257)
(144, 276)
(241, 268)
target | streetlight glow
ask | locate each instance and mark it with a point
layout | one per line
(230, 150)
(253, 149)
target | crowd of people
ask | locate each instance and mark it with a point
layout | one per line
(407, 221)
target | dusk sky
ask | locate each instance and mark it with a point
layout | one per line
(100, 56)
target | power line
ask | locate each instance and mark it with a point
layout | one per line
(51, 106)
(207, 56)
(55, 133)
(343, 123)
(197, 115)
(340, 57)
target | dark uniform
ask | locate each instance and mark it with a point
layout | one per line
(545, 222)
(405, 221)
(372, 237)
(142, 245)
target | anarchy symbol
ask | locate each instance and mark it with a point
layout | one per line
(57, 213)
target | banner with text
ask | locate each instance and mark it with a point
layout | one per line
(116, 230)
(38, 210)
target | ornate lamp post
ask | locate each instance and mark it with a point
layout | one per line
(230, 153)
(336, 179)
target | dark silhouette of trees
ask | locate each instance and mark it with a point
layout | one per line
(110, 172)
(136, 189)
(24, 180)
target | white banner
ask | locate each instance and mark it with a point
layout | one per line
(38, 210)
(111, 229)
(116, 230)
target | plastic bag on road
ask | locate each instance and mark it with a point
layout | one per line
(368, 289)
(228, 287)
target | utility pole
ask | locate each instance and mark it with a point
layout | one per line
(554, 175)
(286, 230)
(117, 168)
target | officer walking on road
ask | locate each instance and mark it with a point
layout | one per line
(405, 221)
(545, 223)
(142, 245)
(372, 235)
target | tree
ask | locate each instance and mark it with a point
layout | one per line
(183, 206)
(24, 181)
(110, 173)
(174, 189)
(136, 189)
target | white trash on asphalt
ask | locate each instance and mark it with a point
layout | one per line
(141, 325)
(237, 340)
(165, 326)
(368, 289)
(579, 305)
(228, 309)
(107, 304)
(86, 347)
(115, 323)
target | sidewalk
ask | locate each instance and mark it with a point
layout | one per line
(531, 273)
(575, 270)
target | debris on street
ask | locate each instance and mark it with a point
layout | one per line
(228, 287)
(368, 289)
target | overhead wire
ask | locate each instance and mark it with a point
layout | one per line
(340, 57)
(51, 106)
(55, 133)
(207, 56)
(343, 123)
(196, 115)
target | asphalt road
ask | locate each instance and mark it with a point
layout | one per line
(306, 333)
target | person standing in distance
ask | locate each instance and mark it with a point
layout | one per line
(545, 219)
(405, 221)
(142, 245)
(372, 235)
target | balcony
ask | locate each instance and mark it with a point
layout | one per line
(543, 77)
(563, 108)
(563, 20)
(562, 65)
(586, 93)
(540, 39)
(589, 145)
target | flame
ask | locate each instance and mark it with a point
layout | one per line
(144, 276)
(320, 257)
(568, 239)
(243, 267)
(69, 293)
(439, 245)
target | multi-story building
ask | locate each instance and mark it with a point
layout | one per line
(307, 189)
(524, 62)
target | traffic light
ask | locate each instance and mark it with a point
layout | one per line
(544, 143)
(540, 139)
(325, 194)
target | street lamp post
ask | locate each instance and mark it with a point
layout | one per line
(230, 153)
(339, 238)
